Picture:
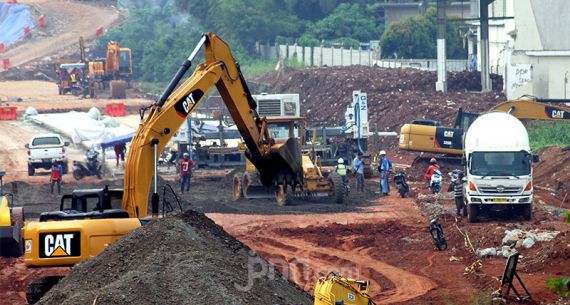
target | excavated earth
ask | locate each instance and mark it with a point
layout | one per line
(186, 259)
(395, 96)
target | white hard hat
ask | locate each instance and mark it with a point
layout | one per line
(340, 160)
(382, 152)
(185, 155)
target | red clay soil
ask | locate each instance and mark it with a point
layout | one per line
(553, 171)
(395, 96)
(15, 276)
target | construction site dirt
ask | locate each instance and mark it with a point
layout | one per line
(383, 239)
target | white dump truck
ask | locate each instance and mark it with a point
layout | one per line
(498, 166)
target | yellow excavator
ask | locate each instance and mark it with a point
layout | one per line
(430, 137)
(335, 289)
(90, 220)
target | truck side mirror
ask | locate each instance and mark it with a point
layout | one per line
(535, 158)
(66, 143)
(27, 146)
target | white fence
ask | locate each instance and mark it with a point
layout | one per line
(331, 56)
(453, 65)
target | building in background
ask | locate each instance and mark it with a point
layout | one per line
(531, 51)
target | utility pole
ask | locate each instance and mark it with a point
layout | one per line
(441, 84)
(484, 28)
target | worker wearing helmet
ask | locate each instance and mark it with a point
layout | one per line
(385, 168)
(55, 177)
(340, 169)
(433, 166)
(186, 166)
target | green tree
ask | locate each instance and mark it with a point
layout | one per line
(415, 37)
(346, 21)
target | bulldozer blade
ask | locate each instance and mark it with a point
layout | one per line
(283, 162)
(259, 191)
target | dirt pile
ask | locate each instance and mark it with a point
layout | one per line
(553, 171)
(186, 259)
(551, 256)
(395, 96)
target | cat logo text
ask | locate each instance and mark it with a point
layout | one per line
(59, 244)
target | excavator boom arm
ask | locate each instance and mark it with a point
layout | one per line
(170, 111)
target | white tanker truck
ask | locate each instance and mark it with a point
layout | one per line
(498, 166)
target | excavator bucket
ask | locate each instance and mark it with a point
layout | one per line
(283, 165)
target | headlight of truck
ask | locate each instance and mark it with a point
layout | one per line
(524, 200)
(478, 200)
(28, 245)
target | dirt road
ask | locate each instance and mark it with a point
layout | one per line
(303, 261)
(16, 134)
(68, 20)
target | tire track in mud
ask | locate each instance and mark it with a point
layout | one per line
(355, 263)
(302, 261)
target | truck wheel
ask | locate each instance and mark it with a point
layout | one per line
(282, 196)
(237, 187)
(338, 189)
(472, 212)
(527, 211)
(31, 170)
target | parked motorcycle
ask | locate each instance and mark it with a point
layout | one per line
(91, 167)
(401, 184)
(436, 232)
(436, 182)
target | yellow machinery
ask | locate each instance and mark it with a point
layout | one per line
(429, 136)
(11, 222)
(335, 290)
(74, 234)
(310, 183)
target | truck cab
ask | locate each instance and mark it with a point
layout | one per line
(498, 166)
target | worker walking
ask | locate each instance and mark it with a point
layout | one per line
(186, 166)
(358, 167)
(56, 173)
(120, 150)
(385, 168)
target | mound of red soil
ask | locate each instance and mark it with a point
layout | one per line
(553, 171)
(185, 259)
(395, 96)
(552, 257)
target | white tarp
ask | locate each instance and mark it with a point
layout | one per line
(81, 127)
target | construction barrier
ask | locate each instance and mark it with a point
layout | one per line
(6, 64)
(1, 48)
(99, 32)
(8, 113)
(42, 22)
(115, 109)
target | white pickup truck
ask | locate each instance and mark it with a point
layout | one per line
(42, 149)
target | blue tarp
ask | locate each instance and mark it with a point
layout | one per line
(13, 19)
(118, 140)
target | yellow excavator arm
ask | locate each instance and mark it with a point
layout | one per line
(275, 162)
(535, 109)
